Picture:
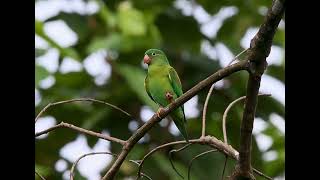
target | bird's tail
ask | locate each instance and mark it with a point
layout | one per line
(179, 120)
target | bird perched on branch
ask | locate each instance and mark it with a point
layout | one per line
(163, 86)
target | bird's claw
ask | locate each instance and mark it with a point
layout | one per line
(169, 96)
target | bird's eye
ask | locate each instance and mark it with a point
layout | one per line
(153, 54)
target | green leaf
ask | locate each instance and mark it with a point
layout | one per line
(78, 176)
(73, 80)
(127, 31)
(233, 30)
(107, 16)
(78, 23)
(39, 52)
(126, 43)
(40, 74)
(109, 42)
(152, 5)
(276, 71)
(213, 6)
(64, 52)
(42, 170)
(279, 38)
(131, 21)
(268, 105)
(179, 32)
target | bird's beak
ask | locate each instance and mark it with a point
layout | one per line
(146, 59)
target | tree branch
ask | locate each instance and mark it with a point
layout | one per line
(242, 65)
(204, 113)
(79, 100)
(261, 174)
(225, 114)
(88, 154)
(259, 50)
(203, 133)
(237, 56)
(81, 130)
(224, 167)
(196, 157)
(170, 158)
(207, 140)
(211, 141)
(142, 174)
(40, 176)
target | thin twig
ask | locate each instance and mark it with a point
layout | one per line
(81, 130)
(224, 167)
(40, 176)
(156, 149)
(199, 155)
(209, 95)
(79, 100)
(205, 111)
(261, 174)
(170, 158)
(237, 56)
(135, 161)
(207, 140)
(142, 174)
(146, 176)
(193, 141)
(88, 154)
(225, 114)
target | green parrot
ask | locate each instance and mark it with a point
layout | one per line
(163, 86)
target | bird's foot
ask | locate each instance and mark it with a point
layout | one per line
(160, 112)
(169, 96)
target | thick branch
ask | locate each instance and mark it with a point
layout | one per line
(207, 140)
(259, 50)
(242, 65)
(211, 141)
(81, 130)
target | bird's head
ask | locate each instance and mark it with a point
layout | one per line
(155, 57)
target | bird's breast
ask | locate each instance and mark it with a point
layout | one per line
(158, 86)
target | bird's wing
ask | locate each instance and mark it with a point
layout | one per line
(176, 84)
(146, 86)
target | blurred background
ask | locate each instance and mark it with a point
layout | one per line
(94, 48)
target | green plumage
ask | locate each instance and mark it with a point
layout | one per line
(162, 79)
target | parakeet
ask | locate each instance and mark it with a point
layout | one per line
(163, 86)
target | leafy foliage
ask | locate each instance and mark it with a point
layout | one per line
(124, 30)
